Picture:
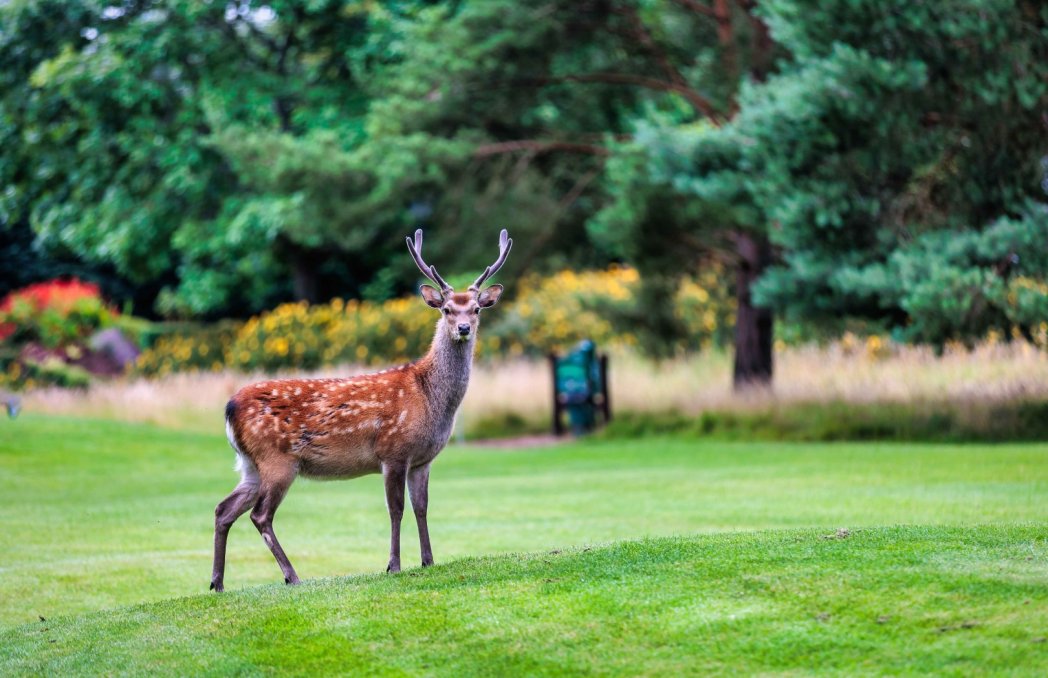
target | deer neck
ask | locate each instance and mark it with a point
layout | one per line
(446, 368)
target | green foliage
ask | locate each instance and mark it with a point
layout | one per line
(135, 133)
(548, 88)
(46, 328)
(55, 326)
(187, 348)
(551, 313)
(226, 158)
(894, 138)
(823, 422)
(955, 284)
(507, 425)
(554, 312)
(51, 371)
(897, 158)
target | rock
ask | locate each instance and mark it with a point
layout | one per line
(113, 344)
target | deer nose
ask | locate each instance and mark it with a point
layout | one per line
(463, 329)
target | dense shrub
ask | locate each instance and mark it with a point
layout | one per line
(188, 348)
(706, 308)
(556, 311)
(306, 337)
(51, 371)
(958, 421)
(54, 313)
(550, 313)
(394, 331)
(45, 329)
(291, 335)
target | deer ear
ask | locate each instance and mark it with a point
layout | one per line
(432, 296)
(490, 296)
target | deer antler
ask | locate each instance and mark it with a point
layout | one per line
(505, 245)
(429, 271)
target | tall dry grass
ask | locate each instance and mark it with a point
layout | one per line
(845, 371)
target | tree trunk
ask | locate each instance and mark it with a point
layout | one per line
(303, 273)
(753, 326)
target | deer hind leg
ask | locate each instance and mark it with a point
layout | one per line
(272, 491)
(394, 476)
(418, 488)
(227, 512)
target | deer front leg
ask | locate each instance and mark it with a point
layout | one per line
(418, 487)
(394, 476)
(269, 497)
(226, 513)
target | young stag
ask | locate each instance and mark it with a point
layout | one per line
(395, 422)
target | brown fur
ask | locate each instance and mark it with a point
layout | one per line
(337, 428)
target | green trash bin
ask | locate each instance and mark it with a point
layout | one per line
(580, 389)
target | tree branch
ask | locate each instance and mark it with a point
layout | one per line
(580, 185)
(760, 41)
(726, 37)
(648, 42)
(695, 6)
(699, 102)
(537, 146)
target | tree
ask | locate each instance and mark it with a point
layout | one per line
(559, 86)
(202, 148)
(36, 34)
(896, 156)
(89, 143)
(899, 157)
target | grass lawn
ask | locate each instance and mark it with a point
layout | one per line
(101, 514)
(906, 600)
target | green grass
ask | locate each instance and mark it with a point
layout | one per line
(962, 420)
(100, 514)
(905, 600)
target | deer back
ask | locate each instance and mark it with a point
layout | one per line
(338, 428)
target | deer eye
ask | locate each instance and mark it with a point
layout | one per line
(477, 310)
(447, 311)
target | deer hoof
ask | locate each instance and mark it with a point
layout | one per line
(216, 587)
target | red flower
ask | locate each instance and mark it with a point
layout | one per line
(59, 295)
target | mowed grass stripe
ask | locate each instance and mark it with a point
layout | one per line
(898, 600)
(101, 514)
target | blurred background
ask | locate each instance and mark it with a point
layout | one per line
(781, 218)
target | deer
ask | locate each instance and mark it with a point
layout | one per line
(394, 422)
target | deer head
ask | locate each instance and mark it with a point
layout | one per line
(461, 309)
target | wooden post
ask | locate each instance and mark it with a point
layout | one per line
(558, 426)
(605, 389)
